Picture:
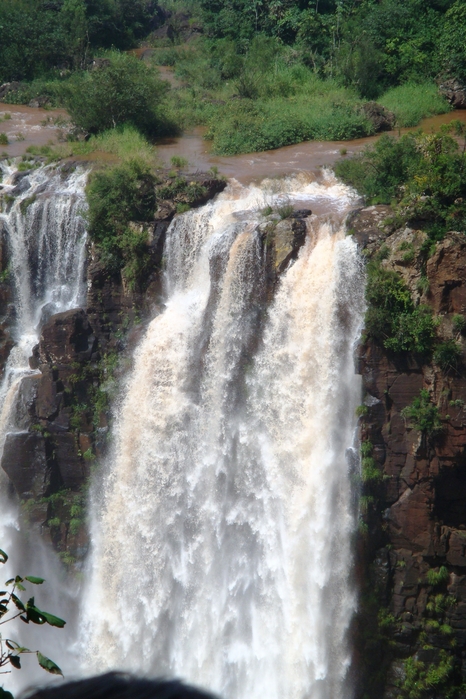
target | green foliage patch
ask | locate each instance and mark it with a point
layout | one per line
(117, 196)
(122, 91)
(412, 102)
(423, 415)
(422, 175)
(392, 318)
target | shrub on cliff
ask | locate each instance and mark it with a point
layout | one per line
(422, 175)
(423, 414)
(116, 197)
(448, 355)
(122, 91)
(391, 317)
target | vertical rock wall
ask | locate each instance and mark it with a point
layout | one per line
(412, 556)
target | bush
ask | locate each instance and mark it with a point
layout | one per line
(391, 317)
(370, 471)
(116, 197)
(448, 355)
(126, 143)
(122, 91)
(379, 172)
(423, 414)
(459, 323)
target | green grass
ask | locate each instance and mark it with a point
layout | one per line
(246, 126)
(55, 89)
(125, 144)
(413, 101)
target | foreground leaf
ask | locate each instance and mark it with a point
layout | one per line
(5, 695)
(3, 559)
(53, 620)
(18, 603)
(48, 665)
(15, 660)
(35, 581)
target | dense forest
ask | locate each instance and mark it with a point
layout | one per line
(258, 74)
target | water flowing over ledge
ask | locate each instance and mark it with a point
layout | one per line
(222, 528)
(46, 240)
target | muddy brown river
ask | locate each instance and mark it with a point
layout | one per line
(30, 126)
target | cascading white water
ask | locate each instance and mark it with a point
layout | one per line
(221, 532)
(46, 239)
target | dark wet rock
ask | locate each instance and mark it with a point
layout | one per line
(66, 337)
(380, 117)
(24, 460)
(367, 225)
(454, 91)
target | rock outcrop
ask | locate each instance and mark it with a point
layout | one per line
(413, 560)
(380, 117)
(455, 92)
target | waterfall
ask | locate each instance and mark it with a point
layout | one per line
(222, 525)
(44, 231)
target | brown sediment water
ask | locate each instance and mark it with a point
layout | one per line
(30, 126)
(308, 156)
(34, 126)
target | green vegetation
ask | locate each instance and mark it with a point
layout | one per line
(422, 680)
(392, 318)
(459, 323)
(370, 470)
(117, 196)
(12, 607)
(379, 172)
(412, 102)
(423, 415)
(259, 76)
(122, 91)
(3, 139)
(436, 578)
(448, 355)
(46, 38)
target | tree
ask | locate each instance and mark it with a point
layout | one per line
(453, 41)
(123, 91)
(12, 607)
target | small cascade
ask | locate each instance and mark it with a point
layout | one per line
(44, 237)
(45, 234)
(222, 527)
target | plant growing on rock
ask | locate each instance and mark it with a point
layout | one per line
(437, 577)
(448, 355)
(458, 323)
(12, 607)
(392, 319)
(118, 196)
(423, 414)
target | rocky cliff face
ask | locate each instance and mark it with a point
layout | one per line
(412, 563)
